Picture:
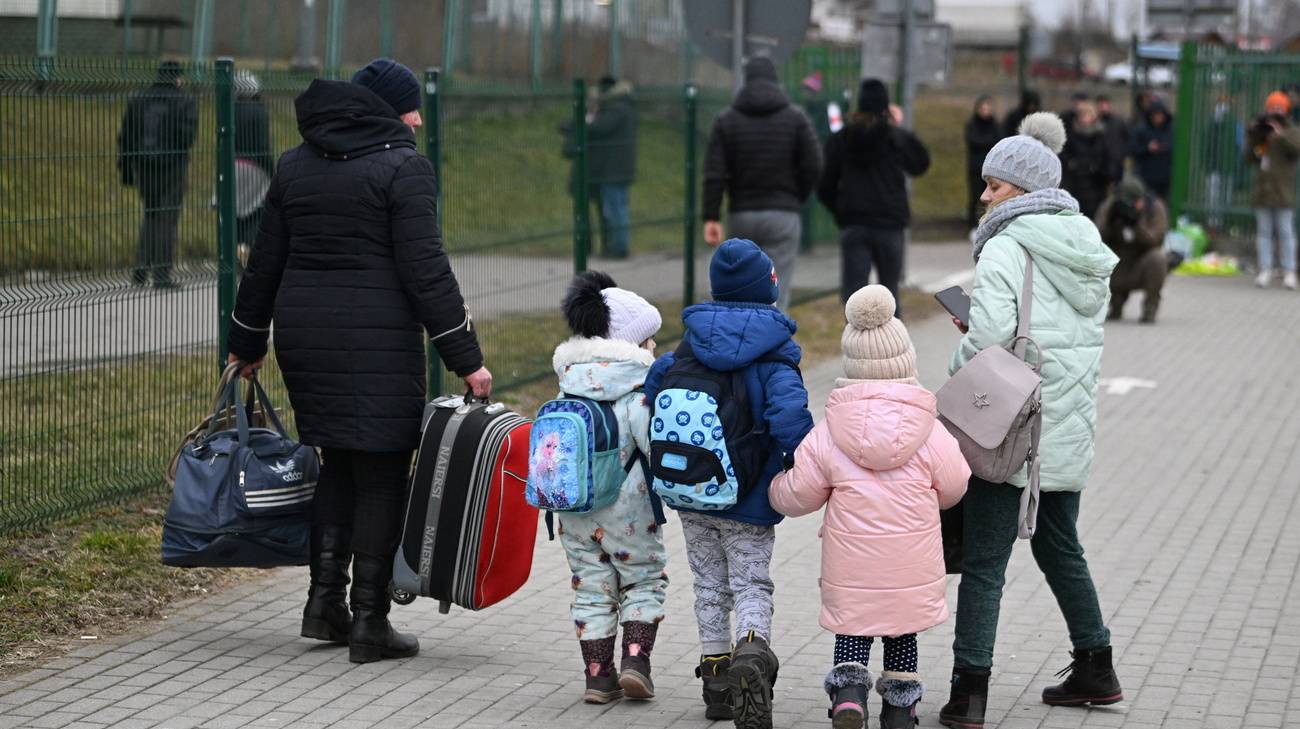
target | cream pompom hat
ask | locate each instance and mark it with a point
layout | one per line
(875, 344)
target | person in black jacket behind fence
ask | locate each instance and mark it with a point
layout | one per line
(982, 132)
(350, 266)
(764, 155)
(153, 156)
(864, 187)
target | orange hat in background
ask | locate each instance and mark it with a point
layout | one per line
(1278, 98)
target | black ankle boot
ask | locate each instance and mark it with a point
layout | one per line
(1089, 679)
(847, 685)
(901, 692)
(751, 677)
(717, 692)
(326, 615)
(372, 637)
(967, 699)
(634, 673)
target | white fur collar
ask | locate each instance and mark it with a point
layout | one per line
(577, 350)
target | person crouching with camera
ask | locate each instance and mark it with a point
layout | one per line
(1273, 147)
(1133, 223)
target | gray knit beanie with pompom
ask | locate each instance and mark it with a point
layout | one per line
(1029, 160)
(875, 344)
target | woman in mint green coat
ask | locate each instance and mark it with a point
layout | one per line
(1029, 215)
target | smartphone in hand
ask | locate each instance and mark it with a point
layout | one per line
(957, 303)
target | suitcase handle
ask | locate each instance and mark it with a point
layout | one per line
(470, 398)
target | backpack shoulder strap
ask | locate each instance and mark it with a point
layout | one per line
(1026, 307)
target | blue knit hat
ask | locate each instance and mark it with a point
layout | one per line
(392, 82)
(741, 271)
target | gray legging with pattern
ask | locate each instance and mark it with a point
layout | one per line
(729, 562)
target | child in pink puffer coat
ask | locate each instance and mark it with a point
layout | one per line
(883, 466)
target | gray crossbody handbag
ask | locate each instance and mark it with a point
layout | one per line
(993, 406)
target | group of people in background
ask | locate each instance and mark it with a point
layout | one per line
(765, 158)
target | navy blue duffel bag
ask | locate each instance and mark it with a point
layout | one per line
(242, 496)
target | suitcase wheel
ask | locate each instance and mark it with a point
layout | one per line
(400, 596)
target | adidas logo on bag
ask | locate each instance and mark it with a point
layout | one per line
(286, 471)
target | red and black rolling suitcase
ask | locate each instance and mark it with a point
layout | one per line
(468, 534)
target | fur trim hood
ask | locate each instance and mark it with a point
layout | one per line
(600, 369)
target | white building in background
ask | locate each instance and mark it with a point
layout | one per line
(974, 22)
(66, 8)
(988, 23)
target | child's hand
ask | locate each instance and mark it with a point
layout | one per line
(960, 327)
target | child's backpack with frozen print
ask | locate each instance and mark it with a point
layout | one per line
(706, 448)
(573, 462)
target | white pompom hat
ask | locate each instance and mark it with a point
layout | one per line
(875, 345)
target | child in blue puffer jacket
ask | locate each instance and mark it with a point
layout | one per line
(729, 551)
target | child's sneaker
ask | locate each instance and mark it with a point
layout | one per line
(717, 692)
(753, 672)
(847, 685)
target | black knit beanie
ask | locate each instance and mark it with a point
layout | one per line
(873, 97)
(392, 82)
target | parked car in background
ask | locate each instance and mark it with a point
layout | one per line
(1152, 75)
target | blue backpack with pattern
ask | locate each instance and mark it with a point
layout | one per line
(573, 462)
(706, 448)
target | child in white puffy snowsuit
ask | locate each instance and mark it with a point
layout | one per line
(616, 553)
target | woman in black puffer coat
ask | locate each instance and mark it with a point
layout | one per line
(349, 264)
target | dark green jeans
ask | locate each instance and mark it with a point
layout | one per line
(991, 511)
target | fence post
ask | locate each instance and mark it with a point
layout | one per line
(225, 100)
(47, 37)
(201, 33)
(615, 43)
(433, 150)
(535, 44)
(334, 37)
(1183, 130)
(690, 105)
(128, 11)
(449, 37)
(1022, 60)
(386, 28)
(581, 213)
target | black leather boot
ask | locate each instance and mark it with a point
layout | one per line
(717, 692)
(326, 615)
(967, 699)
(372, 637)
(1089, 679)
(752, 675)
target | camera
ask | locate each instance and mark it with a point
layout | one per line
(1125, 212)
(1264, 123)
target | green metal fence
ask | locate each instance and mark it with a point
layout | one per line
(1221, 94)
(106, 362)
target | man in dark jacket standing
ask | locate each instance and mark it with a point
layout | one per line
(864, 185)
(764, 155)
(1117, 134)
(611, 161)
(982, 132)
(1030, 102)
(350, 267)
(1152, 149)
(153, 150)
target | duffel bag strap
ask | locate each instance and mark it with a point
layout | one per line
(1026, 308)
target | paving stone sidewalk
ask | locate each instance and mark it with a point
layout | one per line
(1188, 524)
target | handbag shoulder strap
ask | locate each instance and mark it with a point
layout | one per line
(1026, 307)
